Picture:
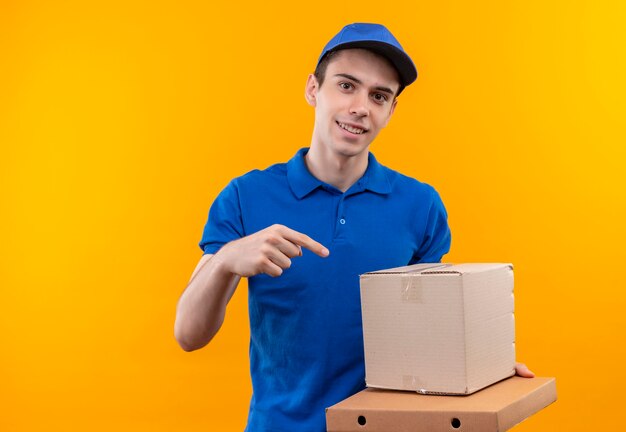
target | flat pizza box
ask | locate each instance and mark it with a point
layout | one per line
(493, 409)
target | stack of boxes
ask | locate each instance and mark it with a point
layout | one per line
(440, 329)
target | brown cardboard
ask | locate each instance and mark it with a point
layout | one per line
(494, 409)
(438, 328)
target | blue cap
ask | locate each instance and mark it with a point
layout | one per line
(377, 38)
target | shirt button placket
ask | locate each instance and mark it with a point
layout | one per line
(341, 218)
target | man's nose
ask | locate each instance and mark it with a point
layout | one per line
(359, 106)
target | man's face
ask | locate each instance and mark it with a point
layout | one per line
(354, 103)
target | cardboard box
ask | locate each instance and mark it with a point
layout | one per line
(438, 328)
(494, 409)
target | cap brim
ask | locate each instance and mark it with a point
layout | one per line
(402, 62)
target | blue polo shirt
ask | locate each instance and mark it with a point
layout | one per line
(306, 345)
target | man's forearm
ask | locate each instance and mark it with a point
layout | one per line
(202, 306)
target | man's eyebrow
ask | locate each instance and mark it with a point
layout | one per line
(350, 77)
(358, 81)
(384, 90)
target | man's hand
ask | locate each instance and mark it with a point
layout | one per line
(268, 251)
(523, 371)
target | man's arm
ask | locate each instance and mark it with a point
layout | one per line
(202, 306)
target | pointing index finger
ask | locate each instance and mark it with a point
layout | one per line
(305, 241)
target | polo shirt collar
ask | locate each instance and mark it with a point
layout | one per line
(375, 178)
(302, 182)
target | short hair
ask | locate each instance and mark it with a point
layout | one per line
(320, 70)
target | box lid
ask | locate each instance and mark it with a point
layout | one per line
(493, 409)
(442, 268)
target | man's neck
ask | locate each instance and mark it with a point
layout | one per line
(337, 170)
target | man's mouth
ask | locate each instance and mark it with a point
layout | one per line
(352, 129)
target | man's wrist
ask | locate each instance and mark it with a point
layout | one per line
(221, 263)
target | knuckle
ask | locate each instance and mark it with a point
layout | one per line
(272, 239)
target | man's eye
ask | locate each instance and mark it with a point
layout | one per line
(379, 97)
(345, 85)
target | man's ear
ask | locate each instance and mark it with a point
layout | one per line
(310, 91)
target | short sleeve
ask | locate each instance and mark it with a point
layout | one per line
(224, 223)
(437, 237)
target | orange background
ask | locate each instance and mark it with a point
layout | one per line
(121, 121)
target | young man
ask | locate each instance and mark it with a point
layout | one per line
(303, 231)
